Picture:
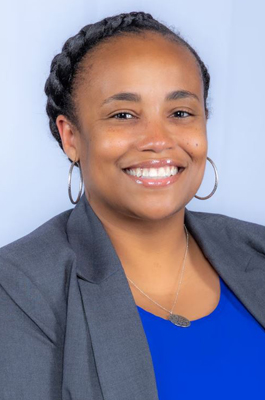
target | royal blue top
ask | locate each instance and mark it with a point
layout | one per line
(219, 356)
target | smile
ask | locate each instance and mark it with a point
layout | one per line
(154, 177)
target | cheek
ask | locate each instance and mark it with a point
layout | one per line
(108, 146)
(196, 145)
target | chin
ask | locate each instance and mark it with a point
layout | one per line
(156, 212)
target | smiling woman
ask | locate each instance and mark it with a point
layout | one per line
(95, 300)
(161, 94)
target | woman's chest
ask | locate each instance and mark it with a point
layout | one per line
(198, 296)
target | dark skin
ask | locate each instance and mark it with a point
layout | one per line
(145, 225)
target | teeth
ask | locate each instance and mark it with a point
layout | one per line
(155, 173)
(138, 172)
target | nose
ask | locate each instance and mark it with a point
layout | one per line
(156, 138)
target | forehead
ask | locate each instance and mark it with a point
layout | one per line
(139, 63)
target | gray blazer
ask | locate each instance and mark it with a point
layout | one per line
(70, 328)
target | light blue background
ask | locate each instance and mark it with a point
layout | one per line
(228, 35)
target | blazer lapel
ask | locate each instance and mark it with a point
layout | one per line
(122, 357)
(121, 351)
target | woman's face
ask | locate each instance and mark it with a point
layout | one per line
(160, 122)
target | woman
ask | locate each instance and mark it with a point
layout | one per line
(95, 301)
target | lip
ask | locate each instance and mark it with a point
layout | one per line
(156, 163)
(155, 183)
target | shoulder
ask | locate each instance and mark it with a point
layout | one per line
(227, 231)
(34, 272)
(46, 243)
(218, 220)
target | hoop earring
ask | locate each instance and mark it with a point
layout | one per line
(70, 180)
(215, 184)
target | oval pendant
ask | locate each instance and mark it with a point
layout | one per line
(179, 320)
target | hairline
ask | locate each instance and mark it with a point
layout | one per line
(83, 66)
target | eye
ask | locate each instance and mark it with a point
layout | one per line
(180, 114)
(121, 115)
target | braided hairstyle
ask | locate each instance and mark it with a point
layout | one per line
(60, 85)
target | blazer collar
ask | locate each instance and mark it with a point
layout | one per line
(96, 257)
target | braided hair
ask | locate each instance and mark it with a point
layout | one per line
(60, 85)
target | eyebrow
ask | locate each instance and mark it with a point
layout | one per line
(127, 96)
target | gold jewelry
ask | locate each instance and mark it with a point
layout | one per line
(176, 319)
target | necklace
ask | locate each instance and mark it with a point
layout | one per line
(176, 319)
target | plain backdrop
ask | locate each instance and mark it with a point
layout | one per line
(228, 35)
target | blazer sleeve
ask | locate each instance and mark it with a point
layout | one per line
(33, 285)
(30, 360)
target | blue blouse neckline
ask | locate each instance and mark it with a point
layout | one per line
(214, 314)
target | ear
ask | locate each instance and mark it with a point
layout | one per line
(69, 137)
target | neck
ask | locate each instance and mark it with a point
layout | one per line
(150, 251)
